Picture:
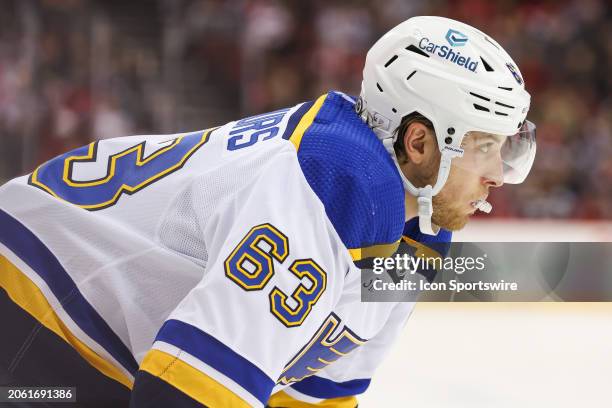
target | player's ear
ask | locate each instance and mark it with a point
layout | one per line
(419, 143)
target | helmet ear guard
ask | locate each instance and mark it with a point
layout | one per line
(459, 79)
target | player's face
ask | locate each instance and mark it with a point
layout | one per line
(470, 180)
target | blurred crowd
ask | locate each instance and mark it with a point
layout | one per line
(72, 71)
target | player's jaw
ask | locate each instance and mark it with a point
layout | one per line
(454, 205)
(449, 213)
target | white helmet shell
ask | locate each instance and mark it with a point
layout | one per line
(451, 73)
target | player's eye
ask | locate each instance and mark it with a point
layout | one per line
(484, 148)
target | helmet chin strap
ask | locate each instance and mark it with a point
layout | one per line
(425, 194)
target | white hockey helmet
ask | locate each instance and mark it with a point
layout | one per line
(458, 78)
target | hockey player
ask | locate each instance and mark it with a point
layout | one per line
(217, 268)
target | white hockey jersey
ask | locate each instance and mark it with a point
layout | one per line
(220, 261)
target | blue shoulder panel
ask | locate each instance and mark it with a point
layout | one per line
(440, 243)
(412, 231)
(353, 175)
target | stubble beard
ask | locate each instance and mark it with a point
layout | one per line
(447, 212)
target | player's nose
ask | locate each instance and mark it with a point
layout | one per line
(495, 176)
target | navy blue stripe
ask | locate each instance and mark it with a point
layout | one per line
(412, 231)
(23, 243)
(294, 119)
(217, 355)
(318, 387)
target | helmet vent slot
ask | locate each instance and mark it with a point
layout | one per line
(415, 49)
(501, 113)
(394, 110)
(410, 76)
(486, 65)
(480, 96)
(393, 58)
(505, 88)
(504, 105)
(481, 108)
(378, 86)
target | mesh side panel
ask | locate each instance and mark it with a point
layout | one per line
(180, 231)
(190, 217)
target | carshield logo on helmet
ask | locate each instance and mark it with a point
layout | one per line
(448, 53)
(456, 38)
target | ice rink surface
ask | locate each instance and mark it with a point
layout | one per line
(528, 355)
(499, 355)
